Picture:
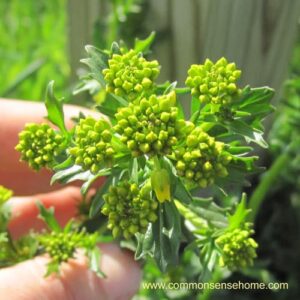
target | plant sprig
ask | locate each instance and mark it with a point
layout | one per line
(158, 160)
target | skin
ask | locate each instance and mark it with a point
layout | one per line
(25, 281)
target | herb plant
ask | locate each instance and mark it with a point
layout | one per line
(173, 180)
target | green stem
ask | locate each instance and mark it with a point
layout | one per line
(217, 276)
(181, 91)
(189, 215)
(268, 180)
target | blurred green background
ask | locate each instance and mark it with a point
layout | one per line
(44, 40)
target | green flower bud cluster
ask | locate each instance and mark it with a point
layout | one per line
(92, 144)
(5, 194)
(61, 246)
(202, 158)
(214, 83)
(39, 144)
(152, 127)
(129, 208)
(238, 248)
(130, 74)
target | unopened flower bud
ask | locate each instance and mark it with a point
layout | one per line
(131, 210)
(39, 144)
(201, 159)
(151, 126)
(129, 74)
(92, 148)
(214, 82)
(238, 248)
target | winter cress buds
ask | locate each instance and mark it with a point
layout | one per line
(152, 126)
(129, 208)
(92, 148)
(214, 83)
(130, 74)
(238, 248)
(201, 159)
(39, 144)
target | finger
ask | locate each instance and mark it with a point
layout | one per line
(76, 281)
(25, 212)
(14, 115)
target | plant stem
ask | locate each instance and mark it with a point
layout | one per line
(265, 184)
(184, 90)
(217, 276)
(267, 181)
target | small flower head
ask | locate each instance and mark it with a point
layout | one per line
(92, 146)
(5, 194)
(129, 74)
(39, 144)
(214, 82)
(238, 249)
(150, 127)
(201, 159)
(129, 208)
(61, 246)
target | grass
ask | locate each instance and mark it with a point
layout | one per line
(33, 47)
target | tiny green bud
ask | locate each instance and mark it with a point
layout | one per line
(39, 144)
(128, 72)
(130, 209)
(96, 151)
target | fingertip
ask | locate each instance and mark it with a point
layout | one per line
(75, 281)
(25, 211)
(122, 271)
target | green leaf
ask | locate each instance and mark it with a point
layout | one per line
(115, 48)
(246, 131)
(144, 45)
(182, 193)
(253, 106)
(195, 107)
(87, 84)
(47, 215)
(253, 96)
(134, 170)
(97, 61)
(65, 164)
(206, 209)
(162, 239)
(239, 215)
(121, 100)
(237, 176)
(171, 87)
(54, 109)
(145, 243)
(97, 200)
(66, 174)
(94, 256)
(92, 178)
(110, 105)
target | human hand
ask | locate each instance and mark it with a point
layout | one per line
(26, 280)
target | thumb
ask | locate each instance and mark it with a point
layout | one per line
(26, 281)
